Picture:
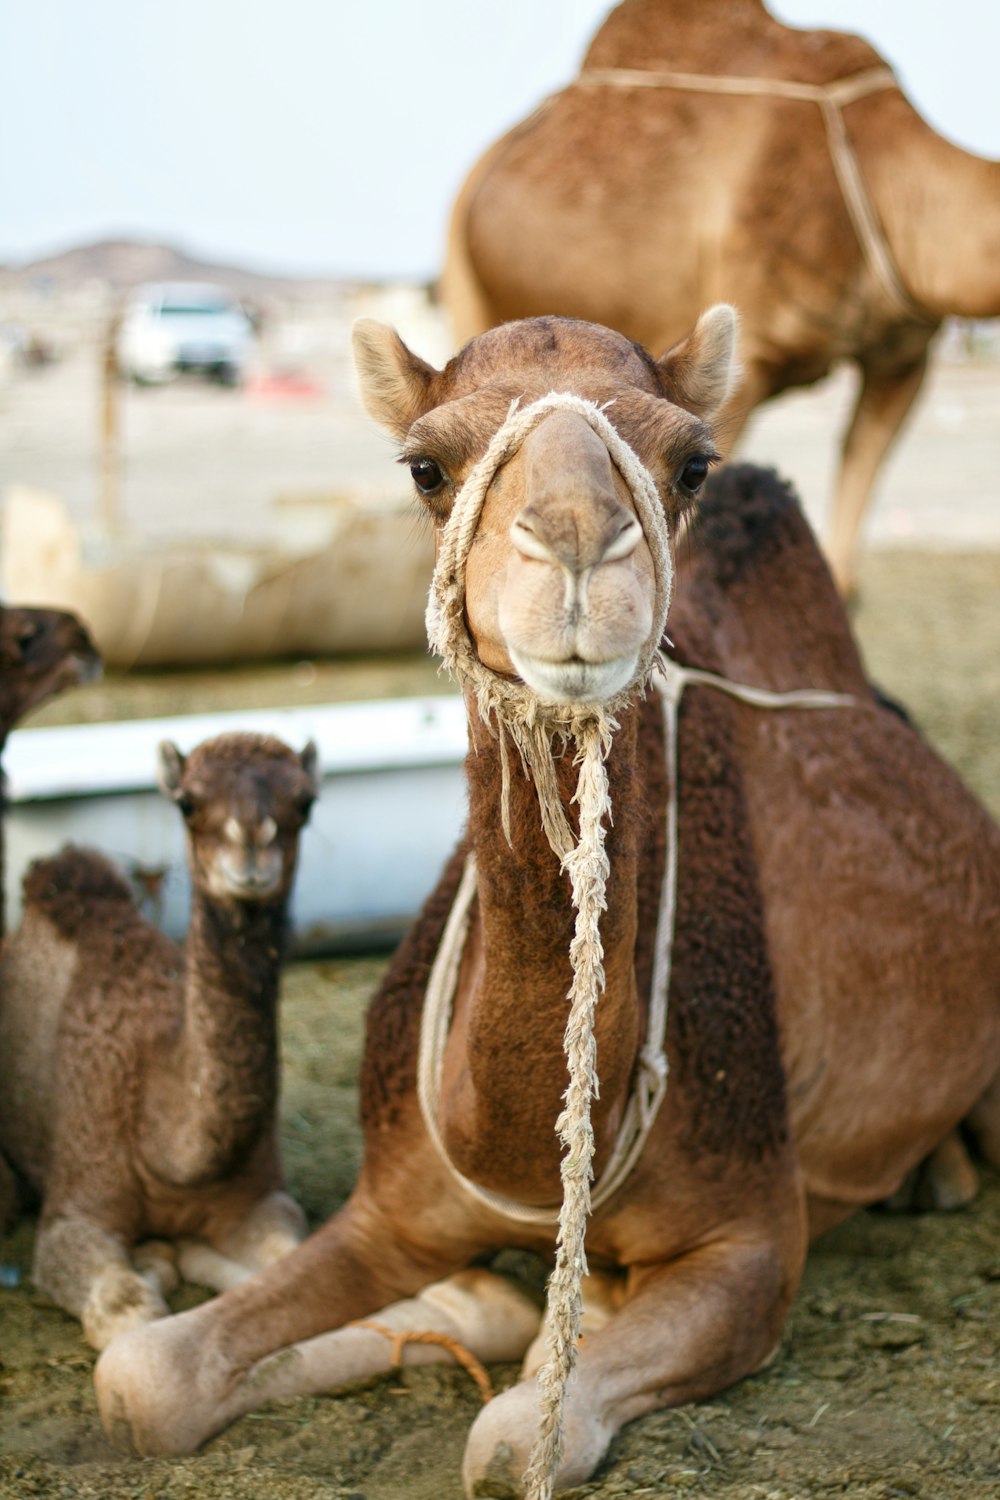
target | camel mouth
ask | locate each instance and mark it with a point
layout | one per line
(247, 883)
(575, 680)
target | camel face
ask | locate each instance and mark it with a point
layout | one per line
(42, 651)
(559, 577)
(242, 828)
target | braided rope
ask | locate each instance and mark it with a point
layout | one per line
(532, 725)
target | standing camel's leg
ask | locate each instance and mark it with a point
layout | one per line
(689, 1329)
(882, 406)
(167, 1387)
(272, 1228)
(88, 1272)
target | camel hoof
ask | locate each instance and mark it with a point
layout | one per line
(120, 1299)
(499, 1446)
(944, 1181)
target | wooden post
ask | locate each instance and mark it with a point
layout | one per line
(110, 442)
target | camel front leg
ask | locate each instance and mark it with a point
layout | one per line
(87, 1271)
(688, 1329)
(883, 404)
(166, 1388)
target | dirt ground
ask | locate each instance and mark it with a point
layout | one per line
(888, 1379)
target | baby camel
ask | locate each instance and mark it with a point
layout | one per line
(144, 1077)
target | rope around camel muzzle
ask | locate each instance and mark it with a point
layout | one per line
(533, 727)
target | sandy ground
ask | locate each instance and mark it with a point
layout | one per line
(888, 1380)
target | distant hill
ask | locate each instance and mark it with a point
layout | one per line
(122, 264)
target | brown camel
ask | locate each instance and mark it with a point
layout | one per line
(834, 1004)
(143, 1078)
(638, 205)
(42, 652)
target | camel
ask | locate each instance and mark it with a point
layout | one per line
(638, 195)
(42, 652)
(143, 1077)
(834, 995)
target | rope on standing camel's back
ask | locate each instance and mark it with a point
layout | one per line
(515, 713)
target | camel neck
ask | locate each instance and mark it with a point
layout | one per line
(942, 222)
(226, 1053)
(505, 1068)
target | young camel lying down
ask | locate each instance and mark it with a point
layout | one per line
(834, 996)
(144, 1076)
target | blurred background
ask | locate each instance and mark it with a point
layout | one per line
(197, 203)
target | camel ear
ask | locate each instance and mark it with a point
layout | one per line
(310, 764)
(394, 382)
(169, 769)
(700, 371)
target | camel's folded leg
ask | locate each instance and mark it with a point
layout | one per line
(603, 1293)
(87, 1271)
(944, 1180)
(487, 1315)
(167, 1387)
(273, 1227)
(689, 1329)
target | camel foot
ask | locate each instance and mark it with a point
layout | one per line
(501, 1439)
(119, 1299)
(153, 1389)
(944, 1181)
(156, 1262)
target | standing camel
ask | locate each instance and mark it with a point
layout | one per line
(641, 193)
(834, 1000)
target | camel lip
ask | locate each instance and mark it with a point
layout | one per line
(574, 680)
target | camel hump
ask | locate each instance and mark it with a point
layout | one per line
(724, 36)
(747, 514)
(76, 889)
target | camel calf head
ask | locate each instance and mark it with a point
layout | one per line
(559, 578)
(244, 798)
(42, 652)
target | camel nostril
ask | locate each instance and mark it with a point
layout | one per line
(525, 536)
(624, 543)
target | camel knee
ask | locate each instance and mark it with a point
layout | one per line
(154, 1394)
(499, 1446)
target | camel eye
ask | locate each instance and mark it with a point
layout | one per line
(694, 473)
(185, 805)
(426, 475)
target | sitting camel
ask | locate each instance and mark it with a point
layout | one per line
(42, 652)
(143, 1078)
(833, 976)
(813, 197)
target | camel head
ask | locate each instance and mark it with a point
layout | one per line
(244, 799)
(560, 588)
(42, 652)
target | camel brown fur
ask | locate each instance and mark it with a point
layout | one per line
(144, 1076)
(42, 652)
(636, 207)
(835, 996)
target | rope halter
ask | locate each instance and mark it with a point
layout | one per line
(533, 725)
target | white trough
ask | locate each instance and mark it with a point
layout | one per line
(391, 806)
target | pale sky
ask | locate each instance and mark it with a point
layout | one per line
(330, 136)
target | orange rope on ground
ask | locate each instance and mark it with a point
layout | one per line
(458, 1351)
